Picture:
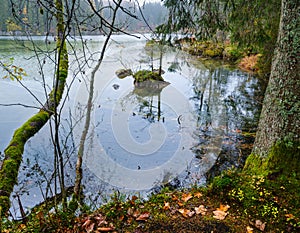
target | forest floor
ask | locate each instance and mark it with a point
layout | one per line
(232, 202)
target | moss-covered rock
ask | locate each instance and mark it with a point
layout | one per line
(147, 75)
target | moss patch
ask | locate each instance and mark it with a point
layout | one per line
(146, 75)
(274, 202)
(283, 159)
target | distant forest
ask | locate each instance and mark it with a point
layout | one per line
(20, 16)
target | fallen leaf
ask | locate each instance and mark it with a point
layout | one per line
(174, 198)
(133, 199)
(223, 207)
(90, 227)
(185, 197)
(130, 211)
(100, 219)
(200, 210)
(289, 216)
(21, 226)
(186, 213)
(167, 206)
(180, 203)
(105, 229)
(249, 229)
(260, 225)
(219, 214)
(136, 214)
(198, 195)
(143, 217)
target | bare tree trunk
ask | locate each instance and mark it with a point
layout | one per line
(77, 187)
(277, 144)
(14, 151)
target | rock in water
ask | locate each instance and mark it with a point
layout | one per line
(123, 73)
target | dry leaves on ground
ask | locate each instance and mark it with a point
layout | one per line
(201, 210)
(221, 213)
(186, 213)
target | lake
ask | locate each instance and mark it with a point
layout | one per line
(139, 139)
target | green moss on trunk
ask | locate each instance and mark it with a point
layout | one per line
(283, 159)
(14, 151)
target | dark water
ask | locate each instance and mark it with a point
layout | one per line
(140, 139)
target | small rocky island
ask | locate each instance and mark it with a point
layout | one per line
(144, 78)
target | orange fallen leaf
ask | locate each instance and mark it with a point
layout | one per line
(174, 198)
(200, 210)
(198, 195)
(180, 203)
(186, 196)
(136, 214)
(186, 213)
(219, 214)
(249, 229)
(223, 207)
(167, 206)
(105, 229)
(143, 217)
(290, 216)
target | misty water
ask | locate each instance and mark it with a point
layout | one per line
(139, 139)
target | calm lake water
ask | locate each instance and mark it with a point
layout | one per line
(139, 139)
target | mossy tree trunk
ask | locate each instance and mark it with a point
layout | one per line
(14, 151)
(277, 144)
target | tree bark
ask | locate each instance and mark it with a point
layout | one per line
(78, 179)
(14, 151)
(277, 143)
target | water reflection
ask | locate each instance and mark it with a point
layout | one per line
(143, 138)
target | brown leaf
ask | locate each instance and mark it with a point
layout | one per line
(200, 210)
(143, 217)
(130, 211)
(198, 195)
(186, 213)
(90, 227)
(186, 196)
(121, 218)
(136, 214)
(260, 225)
(86, 222)
(105, 229)
(167, 206)
(180, 203)
(100, 219)
(219, 214)
(174, 198)
(133, 199)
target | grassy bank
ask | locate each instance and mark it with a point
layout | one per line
(233, 202)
